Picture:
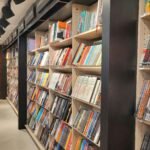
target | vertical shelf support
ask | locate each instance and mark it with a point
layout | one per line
(22, 85)
(119, 74)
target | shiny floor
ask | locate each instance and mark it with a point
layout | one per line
(10, 137)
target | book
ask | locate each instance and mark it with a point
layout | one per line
(86, 88)
(86, 121)
(143, 100)
(60, 30)
(61, 82)
(45, 59)
(88, 55)
(60, 57)
(146, 142)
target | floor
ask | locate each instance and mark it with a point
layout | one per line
(10, 137)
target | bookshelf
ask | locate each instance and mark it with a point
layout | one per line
(142, 124)
(12, 77)
(117, 73)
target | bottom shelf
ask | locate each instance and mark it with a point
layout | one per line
(37, 142)
(13, 107)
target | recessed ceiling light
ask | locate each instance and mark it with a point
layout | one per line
(18, 1)
(7, 12)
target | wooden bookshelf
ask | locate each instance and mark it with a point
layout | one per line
(141, 127)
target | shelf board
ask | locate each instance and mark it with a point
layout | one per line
(89, 69)
(43, 68)
(31, 67)
(43, 87)
(87, 103)
(86, 137)
(43, 48)
(31, 83)
(35, 139)
(90, 35)
(62, 94)
(145, 69)
(13, 107)
(144, 122)
(62, 68)
(61, 43)
(146, 16)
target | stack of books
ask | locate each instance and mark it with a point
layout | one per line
(42, 79)
(143, 112)
(61, 82)
(146, 142)
(61, 107)
(87, 88)
(88, 55)
(62, 57)
(60, 30)
(88, 123)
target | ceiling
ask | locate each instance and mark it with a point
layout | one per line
(19, 11)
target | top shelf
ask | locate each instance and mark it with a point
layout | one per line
(146, 16)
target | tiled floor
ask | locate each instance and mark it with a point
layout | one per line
(10, 137)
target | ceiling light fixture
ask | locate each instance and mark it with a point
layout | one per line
(3, 22)
(2, 31)
(6, 10)
(18, 1)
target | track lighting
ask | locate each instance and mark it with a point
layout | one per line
(18, 1)
(2, 31)
(7, 12)
(3, 22)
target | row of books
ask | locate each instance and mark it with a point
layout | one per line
(87, 88)
(61, 108)
(42, 79)
(147, 6)
(146, 142)
(145, 59)
(40, 59)
(88, 55)
(90, 19)
(63, 136)
(62, 57)
(38, 115)
(42, 133)
(12, 90)
(32, 76)
(40, 96)
(60, 30)
(143, 112)
(84, 144)
(61, 82)
(88, 122)
(12, 72)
